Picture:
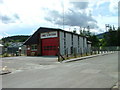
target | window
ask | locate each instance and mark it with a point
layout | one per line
(34, 47)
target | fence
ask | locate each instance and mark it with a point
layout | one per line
(88, 51)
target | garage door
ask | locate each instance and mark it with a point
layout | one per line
(50, 46)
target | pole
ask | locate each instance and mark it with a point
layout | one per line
(63, 14)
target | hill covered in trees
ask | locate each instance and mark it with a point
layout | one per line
(17, 38)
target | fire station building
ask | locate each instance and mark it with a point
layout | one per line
(50, 42)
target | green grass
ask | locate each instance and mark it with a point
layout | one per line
(10, 55)
(77, 56)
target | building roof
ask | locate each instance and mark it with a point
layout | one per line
(16, 44)
(34, 38)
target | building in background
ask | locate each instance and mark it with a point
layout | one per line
(50, 41)
(15, 47)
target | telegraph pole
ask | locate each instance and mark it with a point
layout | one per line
(63, 14)
(106, 26)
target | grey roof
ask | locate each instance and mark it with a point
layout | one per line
(16, 44)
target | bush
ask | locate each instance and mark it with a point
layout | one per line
(5, 55)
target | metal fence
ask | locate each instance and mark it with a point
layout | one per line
(89, 51)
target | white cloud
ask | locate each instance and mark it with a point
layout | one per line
(114, 6)
(31, 13)
(102, 20)
(77, 15)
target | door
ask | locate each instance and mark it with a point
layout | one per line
(50, 46)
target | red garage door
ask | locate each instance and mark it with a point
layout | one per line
(50, 46)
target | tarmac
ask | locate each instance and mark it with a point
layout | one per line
(4, 70)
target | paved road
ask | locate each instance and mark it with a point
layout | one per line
(25, 63)
(97, 72)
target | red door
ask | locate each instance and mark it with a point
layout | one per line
(50, 46)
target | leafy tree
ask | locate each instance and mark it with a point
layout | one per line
(111, 37)
(118, 36)
(84, 32)
(91, 37)
(95, 41)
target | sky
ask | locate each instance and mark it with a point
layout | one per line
(24, 17)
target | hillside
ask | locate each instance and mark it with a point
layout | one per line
(17, 38)
(101, 35)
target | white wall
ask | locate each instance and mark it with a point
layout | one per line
(68, 42)
(82, 43)
(61, 37)
(89, 48)
(75, 42)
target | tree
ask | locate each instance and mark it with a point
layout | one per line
(74, 31)
(95, 41)
(81, 32)
(91, 37)
(84, 32)
(110, 37)
(88, 33)
(118, 36)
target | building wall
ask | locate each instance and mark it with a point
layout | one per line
(75, 43)
(61, 38)
(89, 48)
(32, 51)
(68, 42)
(79, 44)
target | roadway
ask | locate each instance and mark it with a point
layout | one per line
(96, 72)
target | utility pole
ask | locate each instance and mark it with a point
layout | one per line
(106, 26)
(63, 14)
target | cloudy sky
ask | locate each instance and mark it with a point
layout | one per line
(24, 17)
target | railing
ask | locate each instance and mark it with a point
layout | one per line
(88, 51)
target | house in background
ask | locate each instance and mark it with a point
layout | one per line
(51, 41)
(16, 47)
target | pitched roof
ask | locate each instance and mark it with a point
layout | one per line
(34, 38)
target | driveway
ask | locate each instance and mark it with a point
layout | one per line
(25, 63)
